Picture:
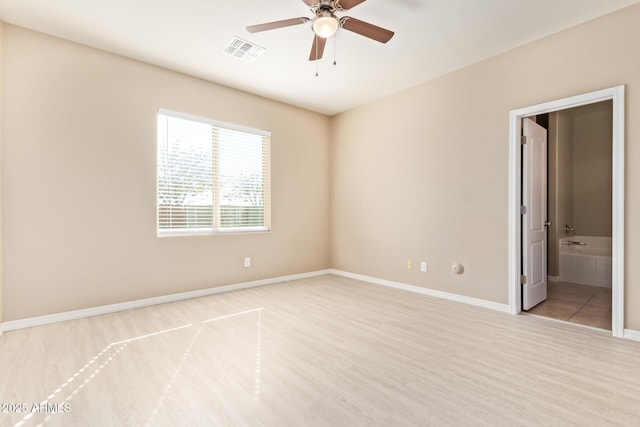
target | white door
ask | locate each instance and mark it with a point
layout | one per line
(534, 219)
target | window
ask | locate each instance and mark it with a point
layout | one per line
(212, 177)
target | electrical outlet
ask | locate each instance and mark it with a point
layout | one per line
(247, 262)
(409, 265)
(423, 266)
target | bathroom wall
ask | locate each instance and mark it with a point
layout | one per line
(580, 156)
(560, 183)
(552, 194)
(592, 158)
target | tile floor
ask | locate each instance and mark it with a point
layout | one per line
(582, 304)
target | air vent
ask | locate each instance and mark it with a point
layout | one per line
(243, 49)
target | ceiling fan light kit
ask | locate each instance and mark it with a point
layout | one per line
(325, 24)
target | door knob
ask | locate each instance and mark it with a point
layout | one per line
(547, 224)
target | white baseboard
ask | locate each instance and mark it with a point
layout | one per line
(554, 279)
(112, 308)
(630, 334)
(426, 291)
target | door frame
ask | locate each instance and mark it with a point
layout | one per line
(616, 95)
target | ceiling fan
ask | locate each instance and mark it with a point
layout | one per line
(325, 23)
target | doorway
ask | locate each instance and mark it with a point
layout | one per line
(616, 96)
(576, 214)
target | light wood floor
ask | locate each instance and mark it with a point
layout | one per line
(327, 351)
(582, 304)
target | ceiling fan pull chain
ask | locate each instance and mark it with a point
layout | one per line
(315, 40)
(334, 51)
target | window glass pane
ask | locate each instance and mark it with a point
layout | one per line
(210, 177)
(241, 179)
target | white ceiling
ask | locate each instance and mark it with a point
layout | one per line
(432, 37)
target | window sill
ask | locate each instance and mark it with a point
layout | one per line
(212, 232)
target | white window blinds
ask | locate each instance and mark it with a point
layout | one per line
(212, 177)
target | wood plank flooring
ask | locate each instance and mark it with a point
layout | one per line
(326, 351)
(582, 304)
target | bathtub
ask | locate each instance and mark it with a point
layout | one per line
(586, 265)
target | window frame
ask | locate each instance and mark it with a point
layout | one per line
(266, 179)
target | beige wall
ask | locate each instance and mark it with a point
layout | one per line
(560, 183)
(423, 174)
(79, 173)
(580, 157)
(592, 158)
(564, 186)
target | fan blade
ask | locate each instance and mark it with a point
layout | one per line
(276, 24)
(317, 48)
(347, 4)
(365, 29)
(312, 2)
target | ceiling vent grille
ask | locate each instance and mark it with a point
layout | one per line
(243, 49)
